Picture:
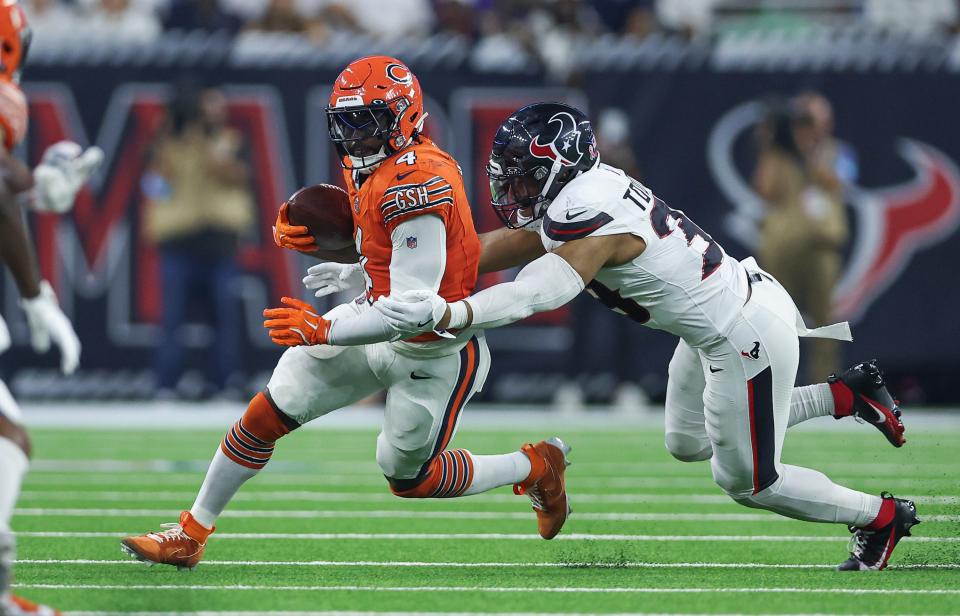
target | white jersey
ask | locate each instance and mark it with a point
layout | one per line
(683, 282)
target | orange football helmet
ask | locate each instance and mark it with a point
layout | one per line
(375, 110)
(14, 40)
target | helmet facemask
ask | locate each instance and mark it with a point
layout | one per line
(363, 134)
(520, 198)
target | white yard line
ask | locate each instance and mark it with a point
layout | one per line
(674, 516)
(341, 613)
(311, 496)
(477, 565)
(498, 589)
(347, 470)
(482, 536)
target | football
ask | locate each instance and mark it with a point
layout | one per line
(324, 209)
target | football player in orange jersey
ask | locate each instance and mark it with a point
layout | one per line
(413, 229)
(50, 187)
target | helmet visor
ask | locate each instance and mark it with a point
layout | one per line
(360, 132)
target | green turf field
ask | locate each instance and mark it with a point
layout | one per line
(318, 531)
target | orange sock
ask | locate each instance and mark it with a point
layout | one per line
(251, 440)
(449, 475)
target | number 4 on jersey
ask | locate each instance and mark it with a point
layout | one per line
(410, 158)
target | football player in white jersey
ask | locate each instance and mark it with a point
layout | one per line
(580, 224)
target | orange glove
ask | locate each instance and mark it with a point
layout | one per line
(297, 325)
(294, 237)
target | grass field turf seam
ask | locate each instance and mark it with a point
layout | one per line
(592, 554)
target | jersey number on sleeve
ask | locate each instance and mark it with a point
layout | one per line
(665, 220)
(661, 217)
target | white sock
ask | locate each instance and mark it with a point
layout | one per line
(806, 494)
(224, 478)
(494, 471)
(810, 401)
(13, 466)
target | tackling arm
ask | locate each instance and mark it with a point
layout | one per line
(46, 321)
(505, 248)
(545, 284)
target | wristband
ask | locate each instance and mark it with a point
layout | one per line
(458, 315)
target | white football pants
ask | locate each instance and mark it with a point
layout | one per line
(425, 396)
(730, 402)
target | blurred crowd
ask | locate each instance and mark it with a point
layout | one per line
(545, 26)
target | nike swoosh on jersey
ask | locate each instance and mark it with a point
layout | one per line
(400, 176)
(425, 323)
(417, 377)
(572, 215)
(712, 369)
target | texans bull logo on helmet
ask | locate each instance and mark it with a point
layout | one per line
(565, 144)
(893, 223)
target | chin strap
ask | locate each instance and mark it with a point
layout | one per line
(554, 170)
(419, 124)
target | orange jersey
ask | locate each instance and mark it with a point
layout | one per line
(13, 114)
(421, 180)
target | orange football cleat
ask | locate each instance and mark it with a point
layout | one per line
(180, 545)
(545, 485)
(17, 606)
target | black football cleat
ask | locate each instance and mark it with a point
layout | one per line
(872, 401)
(871, 549)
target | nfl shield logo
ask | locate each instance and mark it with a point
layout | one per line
(412, 242)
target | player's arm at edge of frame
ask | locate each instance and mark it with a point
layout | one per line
(15, 248)
(546, 283)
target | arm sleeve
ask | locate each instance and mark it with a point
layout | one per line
(418, 260)
(545, 284)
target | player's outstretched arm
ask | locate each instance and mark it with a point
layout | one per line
(15, 249)
(46, 321)
(545, 284)
(505, 248)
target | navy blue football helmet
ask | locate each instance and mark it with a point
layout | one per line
(536, 152)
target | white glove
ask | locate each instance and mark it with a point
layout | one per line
(64, 168)
(412, 311)
(47, 322)
(329, 278)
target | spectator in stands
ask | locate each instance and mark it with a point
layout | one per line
(804, 231)
(689, 17)
(558, 28)
(50, 20)
(201, 15)
(119, 20)
(281, 16)
(458, 17)
(403, 19)
(199, 205)
(630, 17)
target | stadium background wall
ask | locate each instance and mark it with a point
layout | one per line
(691, 132)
